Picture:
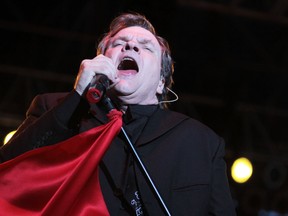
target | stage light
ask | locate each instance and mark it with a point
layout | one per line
(241, 170)
(8, 136)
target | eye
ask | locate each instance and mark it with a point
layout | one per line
(148, 48)
(117, 43)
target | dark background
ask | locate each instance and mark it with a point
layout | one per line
(230, 72)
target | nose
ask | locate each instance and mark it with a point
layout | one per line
(131, 46)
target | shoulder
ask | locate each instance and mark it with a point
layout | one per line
(44, 102)
(190, 128)
(50, 98)
(196, 138)
(184, 120)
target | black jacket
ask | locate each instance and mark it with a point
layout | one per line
(184, 158)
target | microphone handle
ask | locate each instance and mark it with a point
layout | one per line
(97, 92)
(107, 102)
(97, 88)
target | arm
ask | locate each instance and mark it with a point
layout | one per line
(220, 201)
(48, 121)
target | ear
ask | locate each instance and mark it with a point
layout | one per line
(160, 86)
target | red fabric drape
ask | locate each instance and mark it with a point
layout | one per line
(61, 179)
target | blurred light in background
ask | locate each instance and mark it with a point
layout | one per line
(241, 170)
(8, 136)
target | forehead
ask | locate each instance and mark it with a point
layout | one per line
(137, 33)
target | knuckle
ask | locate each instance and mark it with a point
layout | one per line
(85, 63)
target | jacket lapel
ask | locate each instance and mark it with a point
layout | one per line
(159, 123)
(99, 113)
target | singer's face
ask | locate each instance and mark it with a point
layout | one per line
(136, 54)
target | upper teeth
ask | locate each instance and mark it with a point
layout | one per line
(127, 58)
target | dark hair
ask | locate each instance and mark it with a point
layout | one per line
(134, 19)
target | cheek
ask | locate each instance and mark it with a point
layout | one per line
(108, 53)
(153, 62)
(111, 53)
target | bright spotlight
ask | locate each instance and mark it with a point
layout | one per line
(8, 136)
(241, 170)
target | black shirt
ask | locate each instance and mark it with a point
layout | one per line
(134, 122)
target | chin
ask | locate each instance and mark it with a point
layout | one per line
(125, 87)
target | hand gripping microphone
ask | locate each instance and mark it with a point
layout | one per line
(97, 91)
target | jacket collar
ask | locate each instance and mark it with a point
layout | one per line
(158, 124)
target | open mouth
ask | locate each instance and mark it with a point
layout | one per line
(128, 64)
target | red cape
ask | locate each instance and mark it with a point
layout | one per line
(60, 179)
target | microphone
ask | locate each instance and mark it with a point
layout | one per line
(97, 88)
(97, 91)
